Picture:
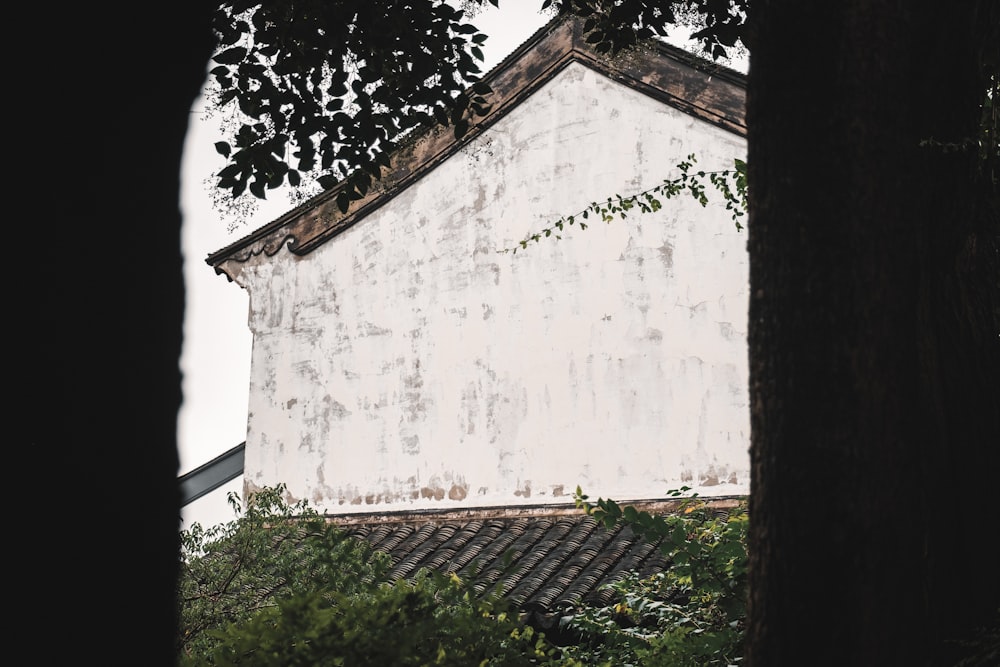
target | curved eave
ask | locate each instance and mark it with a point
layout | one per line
(700, 88)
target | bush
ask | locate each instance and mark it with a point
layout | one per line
(432, 620)
(282, 586)
(273, 552)
(693, 613)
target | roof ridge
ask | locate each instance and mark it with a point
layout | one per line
(503, 512)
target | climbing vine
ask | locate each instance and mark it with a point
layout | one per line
(691, 614)
(731, 184)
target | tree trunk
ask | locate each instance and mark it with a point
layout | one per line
(106, 91)
(874, 334)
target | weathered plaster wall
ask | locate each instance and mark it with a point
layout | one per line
(406, 363)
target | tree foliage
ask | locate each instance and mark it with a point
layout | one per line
(273, 552)
(613, 26)
(328, 90)
(322, 92)
(692, 614)
(430, 620)
(282, 586)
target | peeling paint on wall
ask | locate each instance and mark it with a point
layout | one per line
(407, 363)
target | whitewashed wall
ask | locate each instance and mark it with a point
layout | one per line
(406, 363)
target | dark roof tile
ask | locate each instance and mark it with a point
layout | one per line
(539, 558)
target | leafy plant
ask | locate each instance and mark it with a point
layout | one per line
(282, 586)
(731, 184)
(273, 552)
(430, 620)
(693, 613)
(326, 91)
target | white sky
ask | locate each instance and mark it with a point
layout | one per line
(216, 355)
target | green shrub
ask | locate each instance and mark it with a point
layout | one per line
(272, 552)
(431, 620)
(693, 613)
(282, 586)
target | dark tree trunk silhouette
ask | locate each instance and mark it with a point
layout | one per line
(104, 95)
(874, 348)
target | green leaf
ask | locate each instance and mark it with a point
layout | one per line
(229, 171)
(372, 168)
(223, 148)
(343, 201)
(258, 187)
(231, 56)
(612, 508)
(441, 115)
(361, 183)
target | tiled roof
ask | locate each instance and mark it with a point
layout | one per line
(538, 558)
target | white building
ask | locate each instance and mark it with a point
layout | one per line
(402, 362)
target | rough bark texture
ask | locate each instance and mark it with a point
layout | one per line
(874, 360)
(106, 91)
